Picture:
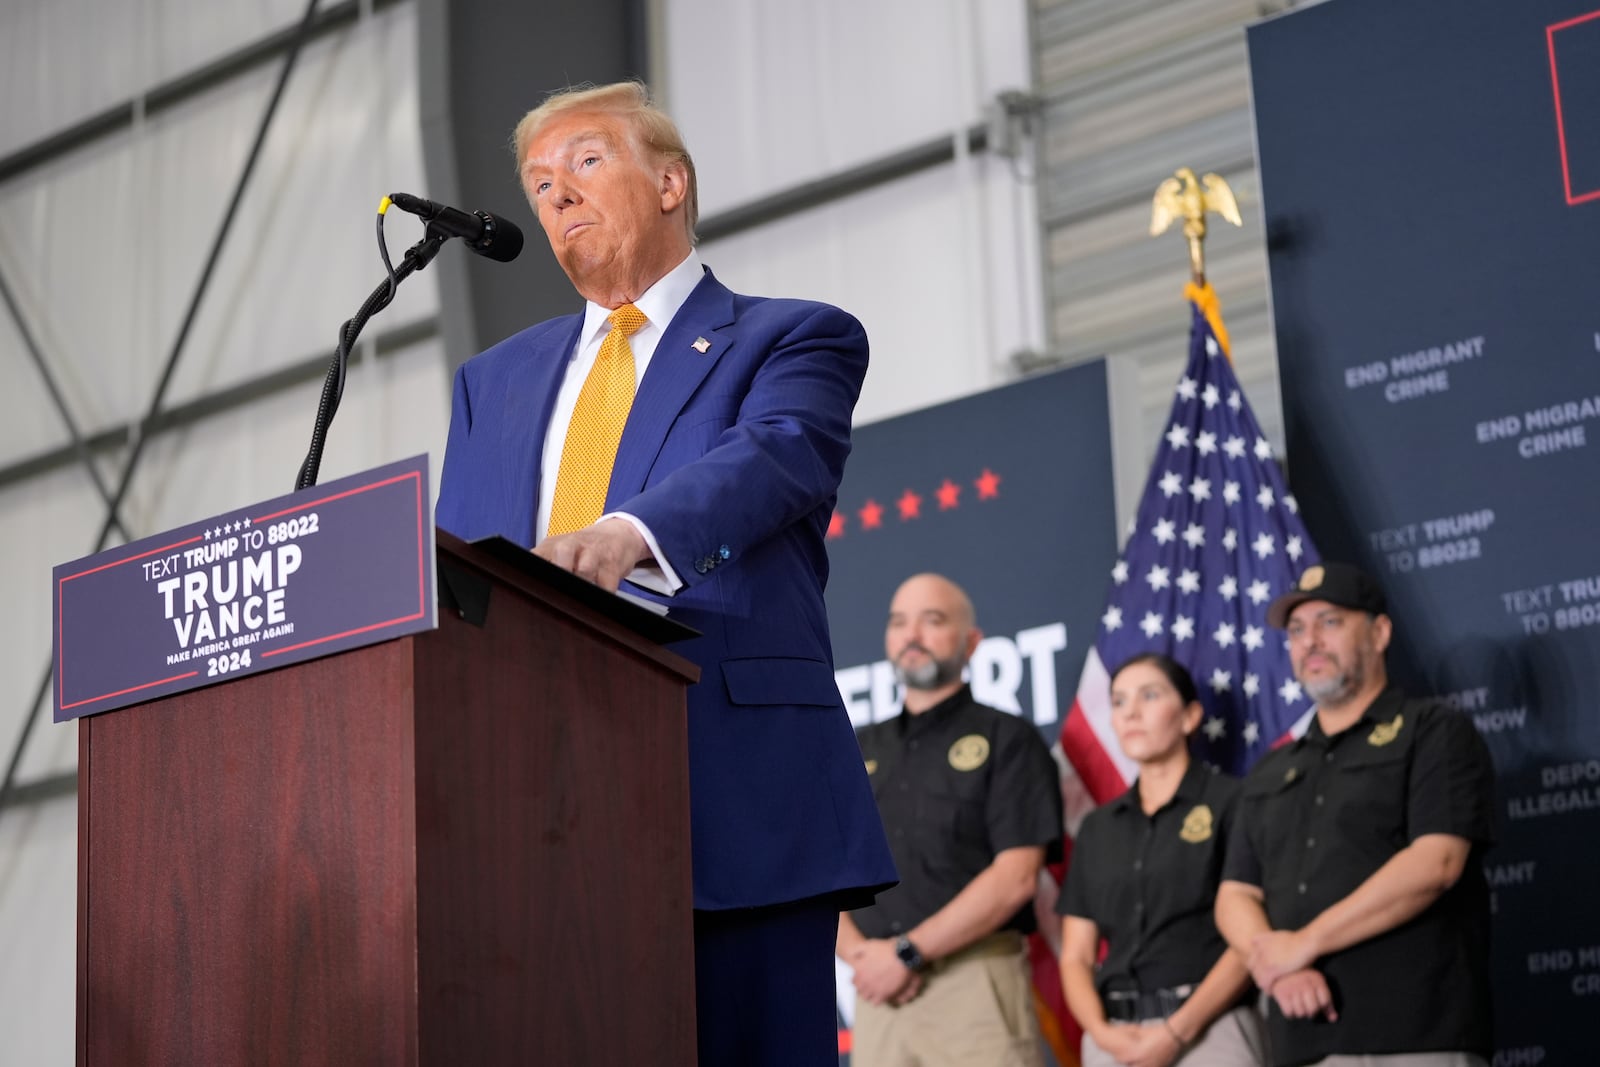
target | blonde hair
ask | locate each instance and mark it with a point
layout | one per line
(652, 129)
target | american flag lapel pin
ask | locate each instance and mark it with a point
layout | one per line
(701, 345)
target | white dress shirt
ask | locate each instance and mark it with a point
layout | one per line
(658, 304)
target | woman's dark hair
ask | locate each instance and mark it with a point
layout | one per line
(1174, 671)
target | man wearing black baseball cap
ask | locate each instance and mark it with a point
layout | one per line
(1353, 882)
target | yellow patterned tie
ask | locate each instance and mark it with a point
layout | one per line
(590, 449)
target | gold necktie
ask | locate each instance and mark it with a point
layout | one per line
(590, 449)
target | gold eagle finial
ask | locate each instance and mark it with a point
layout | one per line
(1181, 197)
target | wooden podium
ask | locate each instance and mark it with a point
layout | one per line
(467, 846)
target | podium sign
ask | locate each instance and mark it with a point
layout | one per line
(323, 570)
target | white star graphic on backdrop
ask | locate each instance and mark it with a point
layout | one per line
(1224, 634)
(1182, 628)
(1158, 578)
(1152, 624)
(1211, 397)
(1194, 535)
(1200, 489)
(1264, 545)
(1252, 732)
(1234, 447)
(1186, 387)
(1291, 503)
(1221, 681)
(1263, 449)
(1254, 637)
(1234, 400)
(1230, 493)
(1189, 581)
(1171, 484)
(1260, 592)
(208, 534)
(1112, 618)
(1252, 685)
(1212, 347)
(218, 531)
(1230, 540)
(1228, 588)
(1215, 728)
(1205, 442)
(1265, 497)
(247, 522)
(1178, 436)
(1166, 531)
(1119, 573)
(1290, 691)
(1292, 546)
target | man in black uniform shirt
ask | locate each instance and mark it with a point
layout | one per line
(971, 800)
(1354, 881)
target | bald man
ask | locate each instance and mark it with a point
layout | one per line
(970, 798)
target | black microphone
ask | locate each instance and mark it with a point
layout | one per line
(486, 234)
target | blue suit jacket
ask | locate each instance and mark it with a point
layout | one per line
(732, 458)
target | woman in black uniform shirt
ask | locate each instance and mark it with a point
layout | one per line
(1144, 877)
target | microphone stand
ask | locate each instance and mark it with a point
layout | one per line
(417, 257)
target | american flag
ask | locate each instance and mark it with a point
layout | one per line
(1218, 535)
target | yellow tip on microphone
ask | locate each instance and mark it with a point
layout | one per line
(383, 206)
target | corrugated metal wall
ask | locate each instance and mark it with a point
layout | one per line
(1133, 89)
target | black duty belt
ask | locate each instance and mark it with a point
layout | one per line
(1134, 1006)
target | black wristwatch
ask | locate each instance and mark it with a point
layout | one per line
(907, 953)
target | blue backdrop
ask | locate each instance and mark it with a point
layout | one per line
(1431, 176)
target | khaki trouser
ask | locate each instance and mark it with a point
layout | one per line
(1234, 1039)
(975, 1010)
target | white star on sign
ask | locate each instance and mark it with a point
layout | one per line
(1229, 587)
(1230, 493)
(1182, 628)
(1234, 447)
(1224, 635)
(1152, 624)
(1221, 681)
(1166, 531)
(1259, 592)
(1215, 728)
(1178, 436)
(1264, 545)
(1265, 497)
(1263, 449)
(208, 534)
(1252, 685)
(1290, 691)
(1254, 637)
(1230, 540)
(247, 522)
(1211, 397)
(1186, 386)
(1158, 578)
(1171, 484)
(1200, 489)
(1112, 618)
(1189, 581)
(1194, 535)
(1119, 573)
(1292, 546)
(1252, 732)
